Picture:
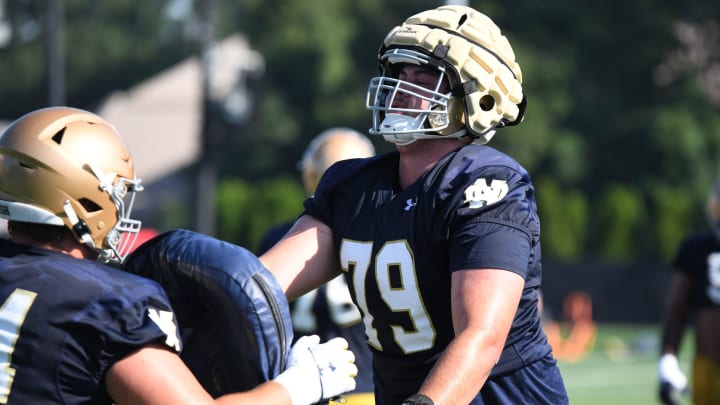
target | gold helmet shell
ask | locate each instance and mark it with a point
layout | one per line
(69, 167)
(330, 146)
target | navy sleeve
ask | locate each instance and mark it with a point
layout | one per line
(118, 325)
(487, 244)
(495, 223)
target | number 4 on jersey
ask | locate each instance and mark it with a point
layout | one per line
(12, 316)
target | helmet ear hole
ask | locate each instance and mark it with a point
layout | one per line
(89, 205)
(487, 102)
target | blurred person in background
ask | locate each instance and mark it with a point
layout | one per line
(76, 329)
(329, 311)
(439, 240)
(573, 336)
(694, 291)
(328, 147)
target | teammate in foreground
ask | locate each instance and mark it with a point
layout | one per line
(77, 330)
(439, 240)
(694, 289)
(329, 311)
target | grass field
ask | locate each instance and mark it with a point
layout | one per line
(622, 367)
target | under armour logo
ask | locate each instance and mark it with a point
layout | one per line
(480, 194)
(410, 203)
(166, 322)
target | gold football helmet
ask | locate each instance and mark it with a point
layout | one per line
(68, 167)
(469, 51)
(328, 147)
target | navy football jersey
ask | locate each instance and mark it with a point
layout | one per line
(699, 257)
(64, 322)
(474, 209)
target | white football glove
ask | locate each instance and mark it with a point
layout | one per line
(672, 379)
(318, 371)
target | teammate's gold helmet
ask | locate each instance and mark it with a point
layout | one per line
(469, 51)
(68, 167)
(328, 147)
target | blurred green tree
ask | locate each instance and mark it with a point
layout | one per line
(621, 135)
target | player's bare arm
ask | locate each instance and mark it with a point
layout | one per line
(483, 306)
(677, 313)
(304, 258)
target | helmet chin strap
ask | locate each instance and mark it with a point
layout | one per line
(79, 227)
(485, 137)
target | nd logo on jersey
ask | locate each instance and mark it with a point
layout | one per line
(480, 194)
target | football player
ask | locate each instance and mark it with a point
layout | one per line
(329, 146)
(439, 241)
(694, 289)
(329, 311)
(75, 329)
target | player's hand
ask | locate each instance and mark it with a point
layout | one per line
(318, 371)
(672, 379)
